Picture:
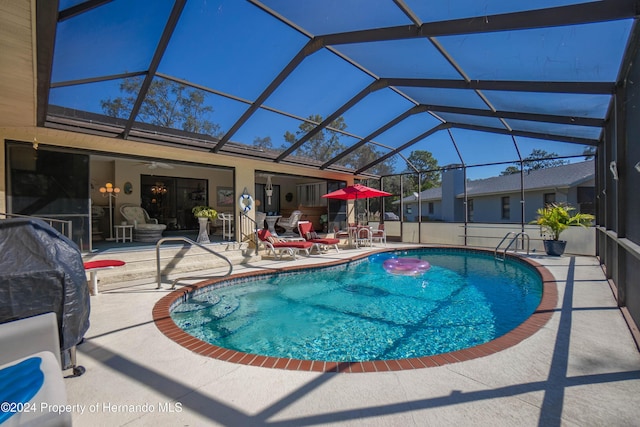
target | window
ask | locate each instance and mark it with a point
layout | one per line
(170, 199)
(470, 210)
(264, 205)
(506, 207)
(586, 200)
(549, 198)
(430, 208)
(50, 183)
(311, 194)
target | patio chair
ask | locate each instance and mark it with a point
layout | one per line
(342, 234)
(290, 223)
(145, 228)
(278, 246)
(363, 236)
(379, 235)
(305, 228)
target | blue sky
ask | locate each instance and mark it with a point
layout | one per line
(237, 49)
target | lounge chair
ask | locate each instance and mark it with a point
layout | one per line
(278, 246)
(145, 228)
(305, 228)
(290, 223)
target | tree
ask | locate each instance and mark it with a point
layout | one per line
(428, 166)
(326, 144)
(538, 159)
(264, 143)
(510, 170)
(366, 154)
(166, 104)
(323, 145)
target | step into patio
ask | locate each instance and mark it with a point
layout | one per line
(175, 260)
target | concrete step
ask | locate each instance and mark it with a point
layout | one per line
(175, 261)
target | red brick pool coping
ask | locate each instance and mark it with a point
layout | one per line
(163, 321)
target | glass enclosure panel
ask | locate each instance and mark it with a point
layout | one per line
(364, 155)
(588, 132)
(570, 104)
(483, 147)
(318, 86)
(271, 132)
(441, 147)
(468, 119)
(496, 197)
(455, 9)
(374, 111)
(391, 205)
(176, 106)
(99, 98)
(338, 16)
(408, 129)
(410, 58)
(116, 37)
(327, 144)
(225, 61)
(410, 190)
(587, 52)
(447, 97)
(65, 4)
(540, 148)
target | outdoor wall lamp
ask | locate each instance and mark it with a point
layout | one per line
(637, 167)
(613, 167)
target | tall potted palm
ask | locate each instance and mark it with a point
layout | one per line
(554, 219)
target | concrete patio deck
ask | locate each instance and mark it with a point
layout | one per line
(581, 369)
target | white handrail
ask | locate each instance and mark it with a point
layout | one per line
(186, 240)
(514, 239)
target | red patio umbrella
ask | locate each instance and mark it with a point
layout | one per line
(357, 191)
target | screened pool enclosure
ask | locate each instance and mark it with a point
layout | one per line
(396, 93)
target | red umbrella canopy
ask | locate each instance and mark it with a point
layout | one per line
(357, 191)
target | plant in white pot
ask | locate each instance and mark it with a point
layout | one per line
(554, 219)
(204, 214)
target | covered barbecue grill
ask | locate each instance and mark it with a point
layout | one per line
(42, 271)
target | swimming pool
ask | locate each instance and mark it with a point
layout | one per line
(464, 302)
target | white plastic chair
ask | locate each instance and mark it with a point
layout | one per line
(379, 235)
(290, 223)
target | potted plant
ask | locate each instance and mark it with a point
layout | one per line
(204, 214)
(554, 219)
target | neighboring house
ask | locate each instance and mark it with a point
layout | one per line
(497, 199)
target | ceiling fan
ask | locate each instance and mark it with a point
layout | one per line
(156, 165)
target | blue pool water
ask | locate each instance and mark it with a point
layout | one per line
(359, 312)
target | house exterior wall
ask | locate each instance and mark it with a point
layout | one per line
(452, 183)
(489, 208)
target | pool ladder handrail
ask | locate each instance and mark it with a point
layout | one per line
(511, 242)
(191, 242)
